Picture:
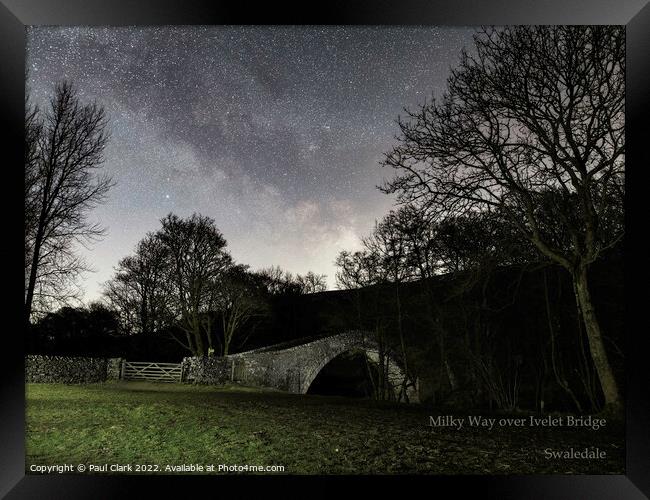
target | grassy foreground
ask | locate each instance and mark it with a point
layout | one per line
(173, 424)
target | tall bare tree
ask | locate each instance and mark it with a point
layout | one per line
(358, 271)
(197, 262)
(383, 260)
(531, 125)
(33, 133)
(64, 149)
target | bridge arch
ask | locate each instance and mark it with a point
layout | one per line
(351, 342)
(293, 366)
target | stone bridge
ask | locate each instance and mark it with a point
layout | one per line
(291, 366)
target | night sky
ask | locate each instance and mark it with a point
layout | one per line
(275, 132)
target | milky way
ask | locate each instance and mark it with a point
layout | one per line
(275, 132)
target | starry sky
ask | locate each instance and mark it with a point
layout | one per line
(274, 132)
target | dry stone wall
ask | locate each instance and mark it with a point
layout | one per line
(70, 370)
(205, 370)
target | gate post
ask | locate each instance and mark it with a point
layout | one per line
(122, 369)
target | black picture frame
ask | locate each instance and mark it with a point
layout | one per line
(634, 14)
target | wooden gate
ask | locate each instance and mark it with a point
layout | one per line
(155, 372)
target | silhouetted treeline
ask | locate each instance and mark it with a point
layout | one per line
(505, 345)
(181, 282)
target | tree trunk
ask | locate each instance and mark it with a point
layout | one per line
(190, 345)
(596, 345)
(144, 318)
(30, 287)
(381, 382)
(33, 273)
(196, 328)
(208, 334)
(402, 344)
(557, 371)
(228, 331)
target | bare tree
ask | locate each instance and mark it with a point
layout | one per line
(384, 260)
(139, 290)
(358, 272)
(531, 125)
(197, 261)
(280, 282)
(238, 299)
(426, 256)
(64, 147)
(33, 133)
(390, 248)
(312, 282)
(276, 281)
(358, 269)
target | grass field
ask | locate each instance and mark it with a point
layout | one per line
(173, 424)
